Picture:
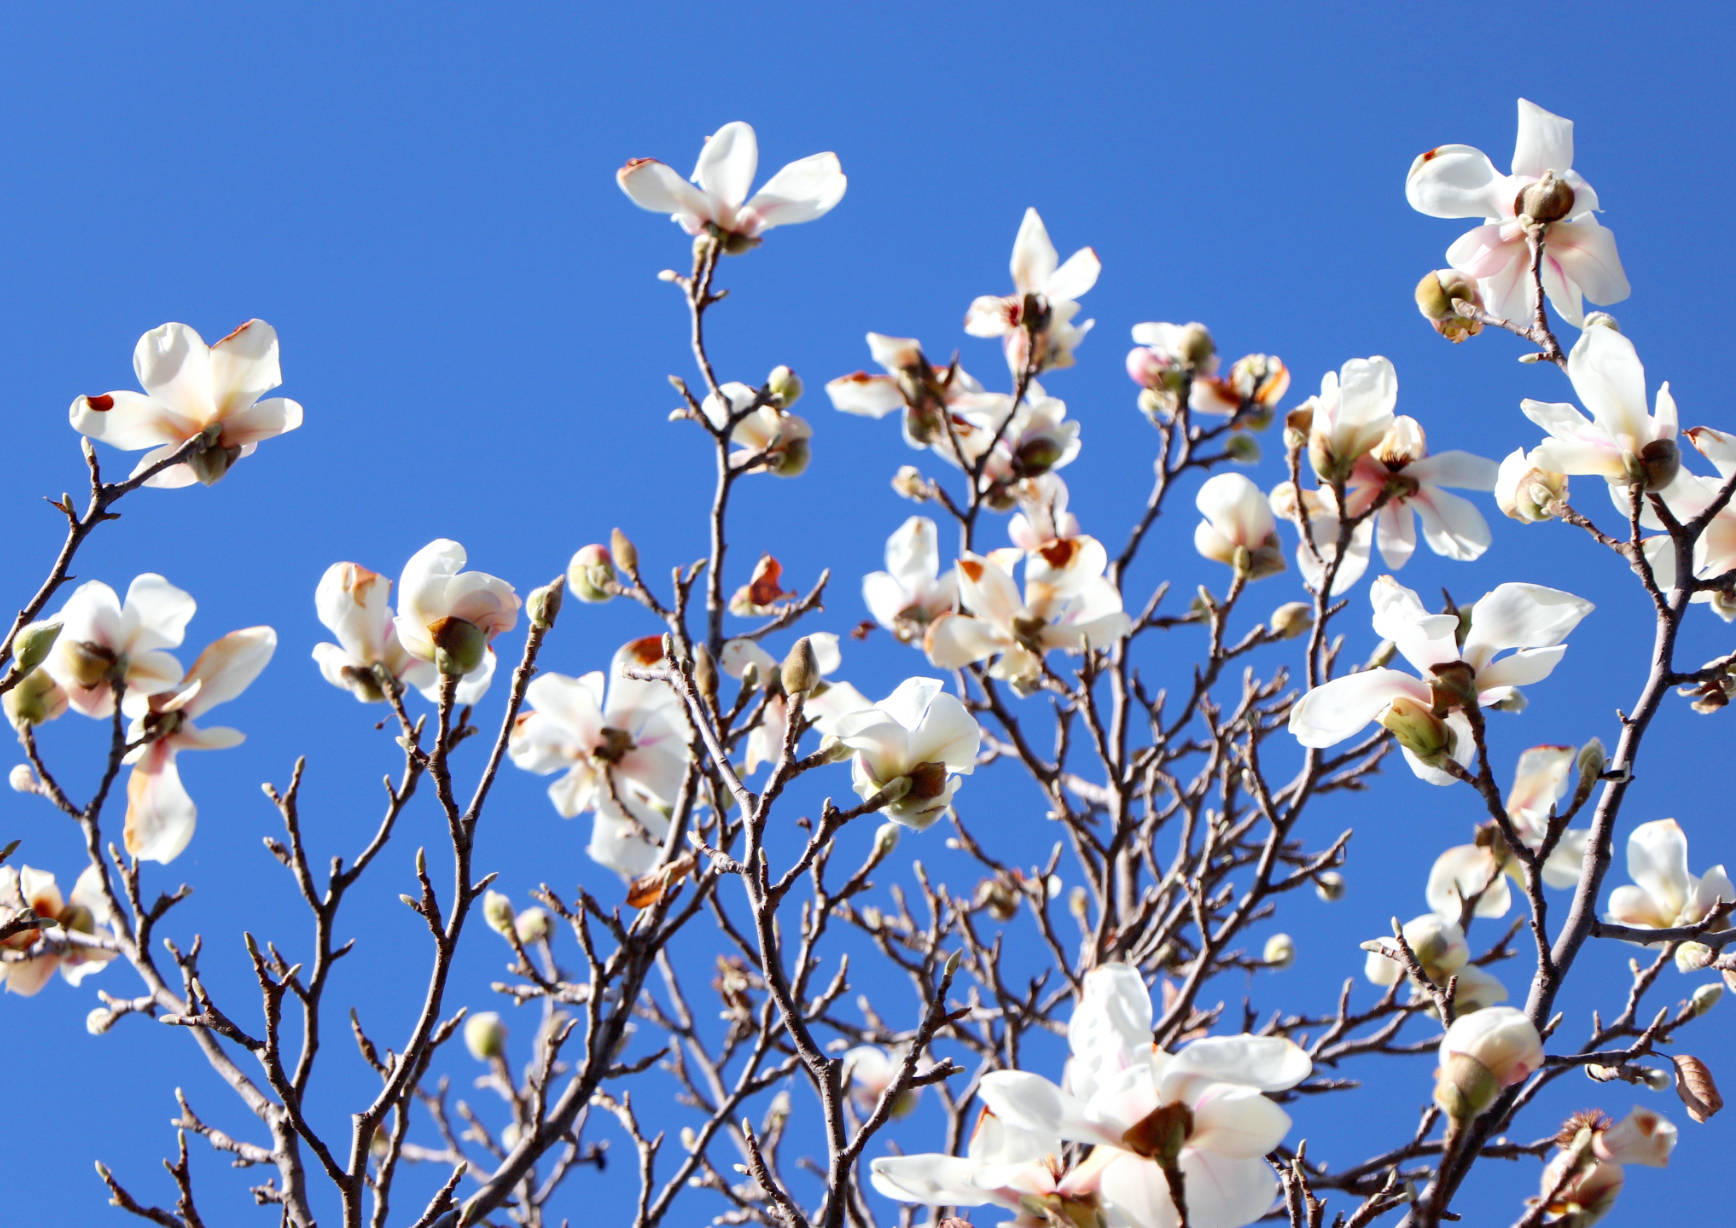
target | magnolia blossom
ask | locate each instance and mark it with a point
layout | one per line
(1036, 320)
(1715, 549)
(1316, 554)
(1021, 441)
(1528, 618)
(1043, 518)
(1444, 956)
(1481, 870)
(1482, 1053)
(800, 192)
(355, 605)
(29, 958)
(1238, 528)
(1018, 1170)
(919, 734)
(1400, 468)
(1665, 895)
(1068, 604)
(822, 706)
(1544, 191)
(103, 641)
(869, 1072)
(926, 393)
(1352, 413)
(1170, 357)
(775, 440)
(193, 390)
(450, 616)
(160, 814)
(621, 748)
(1525, 491)
(1198, 1112)
(1581, 1182)
(911, 593)
(1621, 442)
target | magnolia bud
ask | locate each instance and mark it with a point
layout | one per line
(591, 574)
(783, 387)
(791, 457)
(705, 672)
(1548, 200)
(907, 483)
(1329, 885)
(625, 554)
(1525, 492)
(497, 912)
(485, 1036)
(1659, 462)
(1705, 998)
(1280, 951)
(532, 925)
(1693, 956)
(800, 672)
(885, 839)
(1601, 319)
(1434, 297)
(22, 779)
(31, 646)
(1482, 1053)
(544, 605)
(459, 646)
(1291, 619)
(1242, 449)
(1194, 344)
(1418, 730)
(99, 1021)
(36, 700)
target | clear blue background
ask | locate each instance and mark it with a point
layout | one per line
(420, 198)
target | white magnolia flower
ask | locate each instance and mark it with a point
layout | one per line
(911, 593)
(1621, 442)
(926, 393)
(1715, 551)
(1023, 442)
(1525, 491)
(1043, 518)
(720, 206)
(1014, 1169)
(193, 389)
(918, 733)
(450, 616)
(1325, 526)
(1665, 894)
(1199, 1110)
(103, 640)
(1437, 942)
(1351, 415)
(1042, 302)
(1238, 525)
(160, 814)
(1528, 618)
(29, 958)
(354, 604)
(1068, 604)
(1539, 781)
(1579, 256)
(777, 439)
(1482, 1053)
(1400, 468)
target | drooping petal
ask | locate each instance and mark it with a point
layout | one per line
(1396, 533)
(935, 1180)
(802, 191)
(1266, 1063)
(1077, 274)
(871, 396)
(160, 814)
(1452, 526)
(229, 666)
(1453, 181)
(1456, 468)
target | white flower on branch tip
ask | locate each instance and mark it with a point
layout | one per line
(354, 604)
(1579, 255)
(1715, 549)
(912, 592)
(23, 887)
(1621, 442)
(1036, 320)
(1525, 491)
(104, 640)
(802, 191)
(1539, 782)
(922, 390)
(1022, 442)
(160, 814)
(1435, 939)
(1043, 518)
(777, 440)
(1068, 604)
(1238, 529)
(1400, 468)
(1199, 1112)
(1314, 556)
(450, 616)
(1528, 618)
(191, 389)
(765, 741)
(919, 734)
(1665, 895)
(1351, 414)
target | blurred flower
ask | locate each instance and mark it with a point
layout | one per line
(777, 441)
(22, 887)
(922, 390)
(354, 604)
(103, 641)
(1238, 528)
(1482, 1053)
(911, 593)
(765, 742)
(1525, 491)
(1036, 320)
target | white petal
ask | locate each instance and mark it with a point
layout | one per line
(1269, 1063)
(244, 367)
(1521, 616)
(1657, 861)
(727, 163)
(160, 814)
(1337, 709)
(1545, 141)
(1611, 383)
(656, 186)
(1034, 256)
(1453, 181)
(1452, 526)
(173, 364)
(800, 192)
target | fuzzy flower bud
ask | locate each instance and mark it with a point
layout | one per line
(1526, 492)
(591, 573)
(1482, 1053)
(1418, 730)
(1434, 296)
(532, 925)
(1329, 885)
(783, 387)
(1705, 998)
(31, 646)
(34, 701)
(623, 551)
(543, 605)
(1291, 619)
(800, 672)
(1280, 951)
(485, 1036)
(497, 912)
(22, 779)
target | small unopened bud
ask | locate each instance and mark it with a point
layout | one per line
(532, 925)
(497, 912)
(544, 605)
(783, 387)
(1482, 1053)
(1418, 730)
(1705, 998)
(1329, 885)
(1655, 1079)
(907, 483)
(36, 700)
(885, 839)
(1601, 319)
(1079, 902)
(1280, 951)
(99, 1021)
(1155, 404)
(705, 672)
(1291, 619)
(591, 574)
(22, 779)
(1693, 956)
(485, 1036)
(31, 647)
(1434, 297)
(622, 550)
(459, 646)
(1548, 200)
(1242, 449)
(800, 672)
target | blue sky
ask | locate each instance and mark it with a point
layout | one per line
(421, 199)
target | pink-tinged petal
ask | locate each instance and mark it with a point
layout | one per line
(802, 191)
(156, 613)
(1586, 255)
(1266, 1063)
(653, 185)
(1545, 141)
(871, 396)
(244, 367)
(1452, 526)
(1034, 255)
(1337, 709)
(1635, 906)
(173, 364)
(1521, 616)
(1610, 381)
(1395, 531)
(1491, 254)
(150, 673)
(229, 666)
(727, 163)
(1233, 503)
(1657, 861)
(1077, 274)
(1454, 181)
(484, 600)
(266, 420)
(27, 977)
(1460, 873)
(1521, 668)
(130, 421)
(989, 316)
(1539, 781)
(1457, 469)
(1563, 292)
(160, 814)
(936, 1180)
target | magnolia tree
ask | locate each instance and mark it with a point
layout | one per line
(1046, 1044)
